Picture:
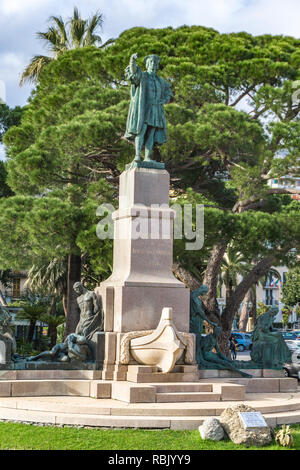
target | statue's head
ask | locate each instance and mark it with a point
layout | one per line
(200, 291)
(203, 290)
(152, 62)
(274, 311)
(78, 288)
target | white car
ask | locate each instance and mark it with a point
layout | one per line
(292, 344)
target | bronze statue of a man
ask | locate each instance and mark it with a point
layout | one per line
(91, 314)
(146, 122)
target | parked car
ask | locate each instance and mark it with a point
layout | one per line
(243, 340)
(289, 335)
(292, 344)
(292, 369)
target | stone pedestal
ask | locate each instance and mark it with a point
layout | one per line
(142, 282)
(5, 350)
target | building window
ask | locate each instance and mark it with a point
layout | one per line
(16, 287)
(269, 297)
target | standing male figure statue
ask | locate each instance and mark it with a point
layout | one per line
(146, 122)
(91, 314)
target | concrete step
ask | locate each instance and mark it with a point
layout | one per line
(50, 374)
(84, 405)
(160, 377)
(116, 421)
(183, 387)
(187, 397)
(31, 388)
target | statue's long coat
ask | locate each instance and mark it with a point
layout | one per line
(138, 105)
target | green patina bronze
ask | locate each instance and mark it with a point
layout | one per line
(146, 122)
(269, 350)
(197, 317)
(206, 359)
(215, 360)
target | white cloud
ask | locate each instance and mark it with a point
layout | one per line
(15, 7)
(269, 17)
(21, 19)
(2, 152)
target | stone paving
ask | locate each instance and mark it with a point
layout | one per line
(277, 408)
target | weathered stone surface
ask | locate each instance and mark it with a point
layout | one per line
(162, 348)
(211, 429)
(233, 426)
(142, 278)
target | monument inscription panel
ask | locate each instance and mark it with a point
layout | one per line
(252, 419)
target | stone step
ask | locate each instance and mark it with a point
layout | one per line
(263, 385)
(160, 377)
(31, 388)
(115, 421)
(187, 397)
(86, 405)
(51, 374)
(183, 387)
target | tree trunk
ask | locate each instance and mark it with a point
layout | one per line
(74, 275)
(211, 279)
(236, 298)
(245, 311)
(254, 307)
(31, 330)
(183, 275)
(52, 330)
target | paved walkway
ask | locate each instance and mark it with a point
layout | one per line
(277, 408)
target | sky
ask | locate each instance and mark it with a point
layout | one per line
(21, 19)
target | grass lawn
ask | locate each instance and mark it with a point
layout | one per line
(15, 436)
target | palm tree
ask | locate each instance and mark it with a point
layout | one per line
(53, 322)
(234, 264)
(50, 279)
(31, 313)
(62, 36)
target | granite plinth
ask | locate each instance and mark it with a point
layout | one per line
(5, 350)
(142, 282)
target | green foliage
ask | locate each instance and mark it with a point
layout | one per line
(25, 349)
(31, 312)
(285, 316)
(69, 148)
(8, 117)
(6, 277)
(52, 320)
(261, 308)
(29, 437)
(291, 288)
(5, 190)
(61, 333)
(234, 264)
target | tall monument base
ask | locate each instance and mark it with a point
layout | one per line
(142, 283)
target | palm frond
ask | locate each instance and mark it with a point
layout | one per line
(94, 23)
(61, 27)
(107, 43)
(32, 71)
(77, 32)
